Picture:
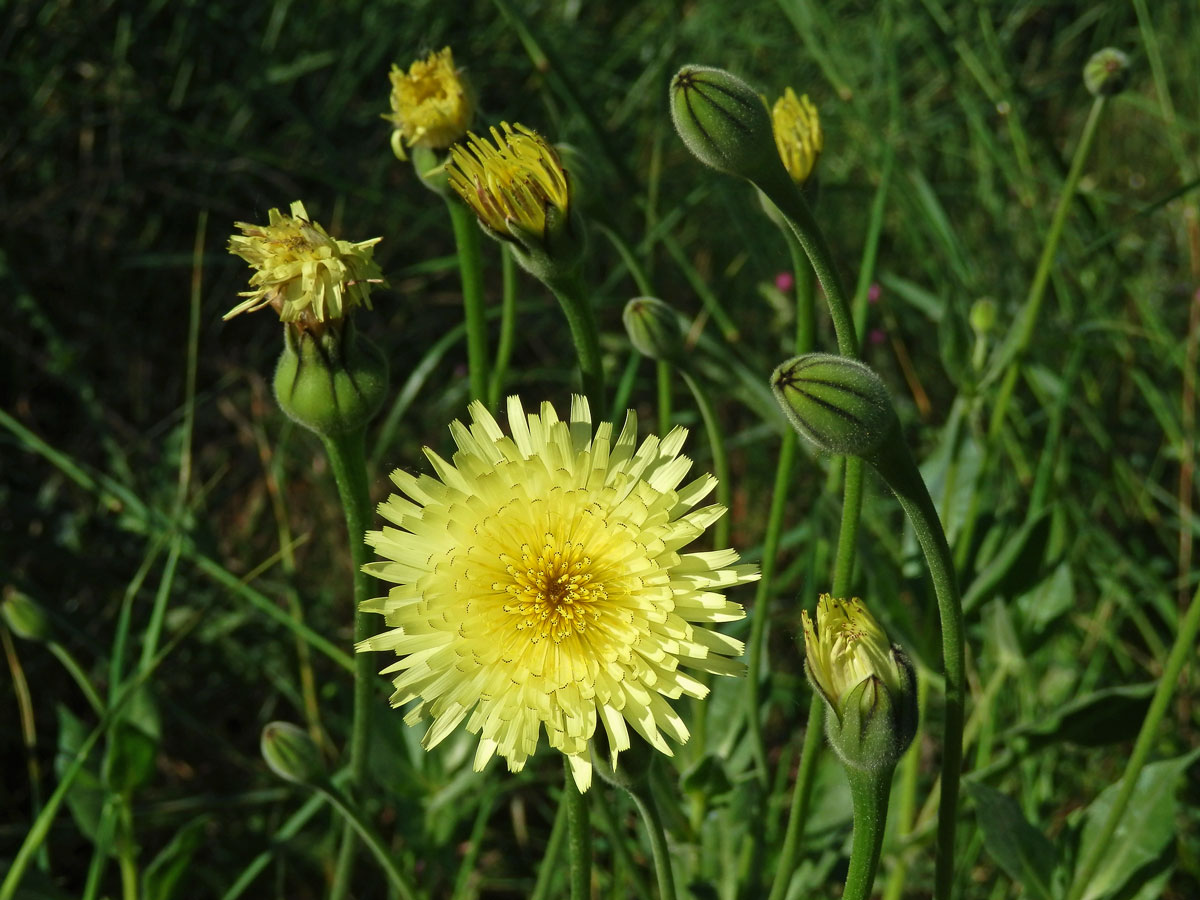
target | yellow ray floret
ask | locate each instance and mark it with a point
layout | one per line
(540, 584)
(517, 178)
(302, 272)
(797, 134)
(431, 103)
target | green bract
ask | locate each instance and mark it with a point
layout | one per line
(332, 382)
(654, 328)
(837, 403)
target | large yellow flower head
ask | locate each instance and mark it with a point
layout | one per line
(431, 104)
(797, 134)
(540, 584)
(516, 183)
(307, 276)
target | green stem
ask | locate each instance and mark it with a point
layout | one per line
(126, 850)
(648, 809)
(470, 265)
(663, 372)
(910, 767)
(577, 307)
(869, 791)
(843, 566)
(549, 864)
(762, 595)
(78, 676)
(720, 459)
(579, 837)
(1184, 649)
(508, 327)
(355, 821)
(347, 459)
(897, 467)
(791, 203)
(801, 796)
(1015, 346)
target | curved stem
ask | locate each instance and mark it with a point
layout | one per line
(1183, 649)
(470, 265)
(579, 837)
(347, 459)
(898, 469)
(355, 821)
(577, 307)
(791, 203)
(648, 810)
(869, 791)
(720, 458)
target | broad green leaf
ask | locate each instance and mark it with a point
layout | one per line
(1047, 600)
(1144, 830)
(1012, 568)
(133, 745)
(162, 875)
(1097, 719)
(1022, 851)
(87, 795)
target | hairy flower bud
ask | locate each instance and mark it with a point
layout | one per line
(838, 404)
(726, 124)
(868, 684)
(654, 328)
(332, 382)
(291, 753)
(1106, 73)
(25, 617)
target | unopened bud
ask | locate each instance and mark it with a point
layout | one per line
(1106, 73)
(726, 124)
(837, 403)
(654, 328)
(291, 753)
(332, 382)
(25, 617)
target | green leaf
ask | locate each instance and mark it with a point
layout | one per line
(1144, 830)
(133, 744)
(1022, 851)
(1047, 600)
(162, 875)
(1011, 569)
(1102, 717)
(87, 795)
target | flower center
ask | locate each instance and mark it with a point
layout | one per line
(553, 591)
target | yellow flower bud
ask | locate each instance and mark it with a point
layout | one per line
(307, 276)
(798, 134)
(431, 104)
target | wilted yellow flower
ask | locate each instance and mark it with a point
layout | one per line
(517, 182)
(797, 134)
(539, 583)
(307, 276)
(846, 648)
(431, 104)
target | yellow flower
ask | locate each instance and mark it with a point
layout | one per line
(431, 104)
(539, 583)
(846, 648)
(797, 134)
(307, 276)
(516, 186)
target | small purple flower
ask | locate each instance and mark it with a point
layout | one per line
(785, 281)
(874, 292)
(877, 336)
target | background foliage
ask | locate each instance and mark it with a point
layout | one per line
(137, 133)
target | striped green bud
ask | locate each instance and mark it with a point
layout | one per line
(291, 753)
(654, 328)
(838, 404)
(726, 124)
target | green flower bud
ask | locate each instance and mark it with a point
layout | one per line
(868, 684)
(726, 124)
(654, 328)
(291, 753)
(838, 404)
(331, 382)
(1106, 73)
(983, 315)
(25, 617)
